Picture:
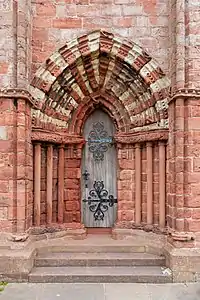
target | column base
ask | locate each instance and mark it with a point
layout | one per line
(181, 239)
(51, 231)
(183, 262)
(127, 228)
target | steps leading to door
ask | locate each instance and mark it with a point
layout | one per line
(98, 260)
(94, 248)
(140, 274)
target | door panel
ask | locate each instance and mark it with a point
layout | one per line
(99, 191)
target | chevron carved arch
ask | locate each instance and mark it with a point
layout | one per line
(100, 69)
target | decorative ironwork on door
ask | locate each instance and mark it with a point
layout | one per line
(99, 201)
(98, 170)
(99, 141)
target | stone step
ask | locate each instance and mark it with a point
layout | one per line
(98, 259)
(132, 274)
(93, 248)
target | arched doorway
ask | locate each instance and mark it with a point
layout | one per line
(98, 185)
(100, 70)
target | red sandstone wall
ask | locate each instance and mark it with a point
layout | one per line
(16, 198)
(127, 183)
(55, 22)
(6, 40)
(48, 24)
(15, 43)
(72, 189)
(192, 32)
(7, 162)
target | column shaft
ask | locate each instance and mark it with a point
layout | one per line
(37, 183)
(61, 185)
(149, 184)
(138, 185)
(162, 183)
(49, 182)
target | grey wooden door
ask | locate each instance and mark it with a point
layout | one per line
(99, 192)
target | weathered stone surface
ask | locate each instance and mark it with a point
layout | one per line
(96, 274)
(98, 259)
(101, 290)
(109, 53)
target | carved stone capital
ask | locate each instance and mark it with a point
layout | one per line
(184, 93)
(132, 138)
(137, 146)
(17, 93)
(56, 138)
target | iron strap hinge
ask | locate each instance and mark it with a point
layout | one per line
(99, 201)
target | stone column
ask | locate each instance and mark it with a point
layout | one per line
(149, 184)
(176, 167)
(192, 166)
(8, 164)
(49, 182)
(24, 165)
(37, 183)
(162, 183)
(180, 173)
(16, 152)
(61, 169)
(138, 184)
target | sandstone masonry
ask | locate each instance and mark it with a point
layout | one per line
(137, 60)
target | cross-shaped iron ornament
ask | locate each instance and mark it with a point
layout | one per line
(99, 201)
(99, 141)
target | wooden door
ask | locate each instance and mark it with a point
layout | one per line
(99, 191)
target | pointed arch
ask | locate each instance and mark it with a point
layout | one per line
(101, 67)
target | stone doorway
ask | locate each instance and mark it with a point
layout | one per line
(128, 85)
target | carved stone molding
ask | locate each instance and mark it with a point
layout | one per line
(133, 69)
(16, 93)
(18, 237)
(132, 138)
(185, 93)
(181, 236)
(56, 138)
(144, 227)
(54, 227)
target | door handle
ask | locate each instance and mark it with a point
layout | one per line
(86, 175)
